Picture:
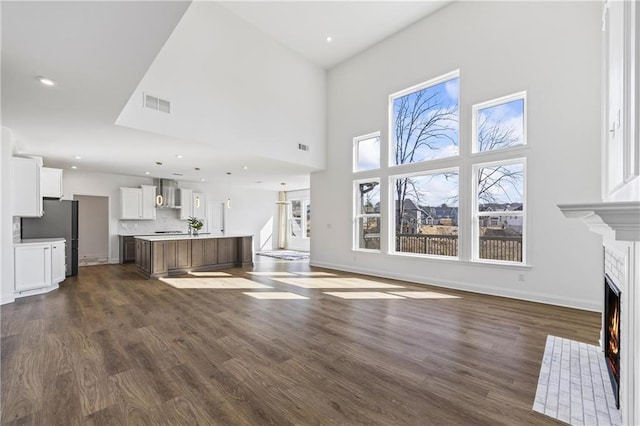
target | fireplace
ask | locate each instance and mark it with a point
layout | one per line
(612, 334)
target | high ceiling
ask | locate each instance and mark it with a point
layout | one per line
(98, 52)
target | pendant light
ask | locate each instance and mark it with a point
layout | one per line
(229, 190)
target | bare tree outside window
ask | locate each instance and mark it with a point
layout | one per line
(425, 127)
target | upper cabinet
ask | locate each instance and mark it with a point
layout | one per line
(186, 203)
(138, 203)
(51, 182)
(26, 199)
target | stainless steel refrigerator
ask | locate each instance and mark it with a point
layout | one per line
(60, 219)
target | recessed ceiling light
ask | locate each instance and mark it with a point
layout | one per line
(146, 173)
(201, 179)
(74, 167)
(178, 156)
(46, 81)
(329, 39)
(245, 167)
(77, 157)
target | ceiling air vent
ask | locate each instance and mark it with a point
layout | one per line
(158, 104)
(303, 147)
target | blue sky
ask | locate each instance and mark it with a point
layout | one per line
(435, 189)
(509, 115)
(445, 95)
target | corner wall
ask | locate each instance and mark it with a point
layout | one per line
(549, 49)
(6, 220)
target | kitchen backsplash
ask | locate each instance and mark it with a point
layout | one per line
(166, 220)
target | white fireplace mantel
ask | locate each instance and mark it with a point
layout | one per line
(622, 218)
(619, 225)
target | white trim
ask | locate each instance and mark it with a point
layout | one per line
(356, 215)
(356, 152)
(415, 88)
(577, 303)
(493, 103)
(475, 213)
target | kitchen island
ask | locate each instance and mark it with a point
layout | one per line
(164, 255)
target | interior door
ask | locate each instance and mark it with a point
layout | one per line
(215, 218)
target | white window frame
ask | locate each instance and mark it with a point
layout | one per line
(356, 152)
(357, 215)
(476, 214)
(429, 83)
(492, 103)
(304, 202)
(392, 211)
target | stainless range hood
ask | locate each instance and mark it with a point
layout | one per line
(166, 191)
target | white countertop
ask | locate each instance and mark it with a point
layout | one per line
(40, 241)
(169, 237)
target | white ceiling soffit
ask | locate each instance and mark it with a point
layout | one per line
(353, 26)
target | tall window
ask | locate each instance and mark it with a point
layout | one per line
(426, 212)
(499, 205)
(428, 178)
(300, 222)
(425, 121)
(423, 129)
(367, 217)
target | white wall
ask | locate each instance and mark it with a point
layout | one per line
(6, 220)
(233, 88)
(251, 214)
(549, 49)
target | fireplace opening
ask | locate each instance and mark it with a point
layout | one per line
(612, 334)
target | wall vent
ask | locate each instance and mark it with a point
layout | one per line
(158, 104)
(303, 147)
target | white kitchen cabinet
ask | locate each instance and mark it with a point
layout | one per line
(148, 200)
(130, 203)
(138, 203)
(51, 182)
(186, 203)
(32, 266)
(26, 200)
(39, 264)
(58, 262)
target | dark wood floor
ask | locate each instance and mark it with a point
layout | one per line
(111, 348)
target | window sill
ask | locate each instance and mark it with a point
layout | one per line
(458, 261)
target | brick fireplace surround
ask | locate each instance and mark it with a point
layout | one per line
(619, 225)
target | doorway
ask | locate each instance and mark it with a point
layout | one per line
(93, 229)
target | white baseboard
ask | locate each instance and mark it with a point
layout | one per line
(566, 302)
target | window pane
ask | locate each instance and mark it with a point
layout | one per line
(501, 126)
(369, 233)
(501, 237)
(426, 214)
(368, 154)
(308, 220)
(501, 188)
(296, 218)
(425, 124)
(368, 198)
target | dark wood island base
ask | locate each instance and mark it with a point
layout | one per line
(158, 257)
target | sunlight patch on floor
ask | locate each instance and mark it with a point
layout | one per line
(354, 283)
(424, 295)
(362, 295)
(213, 283)
(275, 295)
(272, 274)
(210, 274)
